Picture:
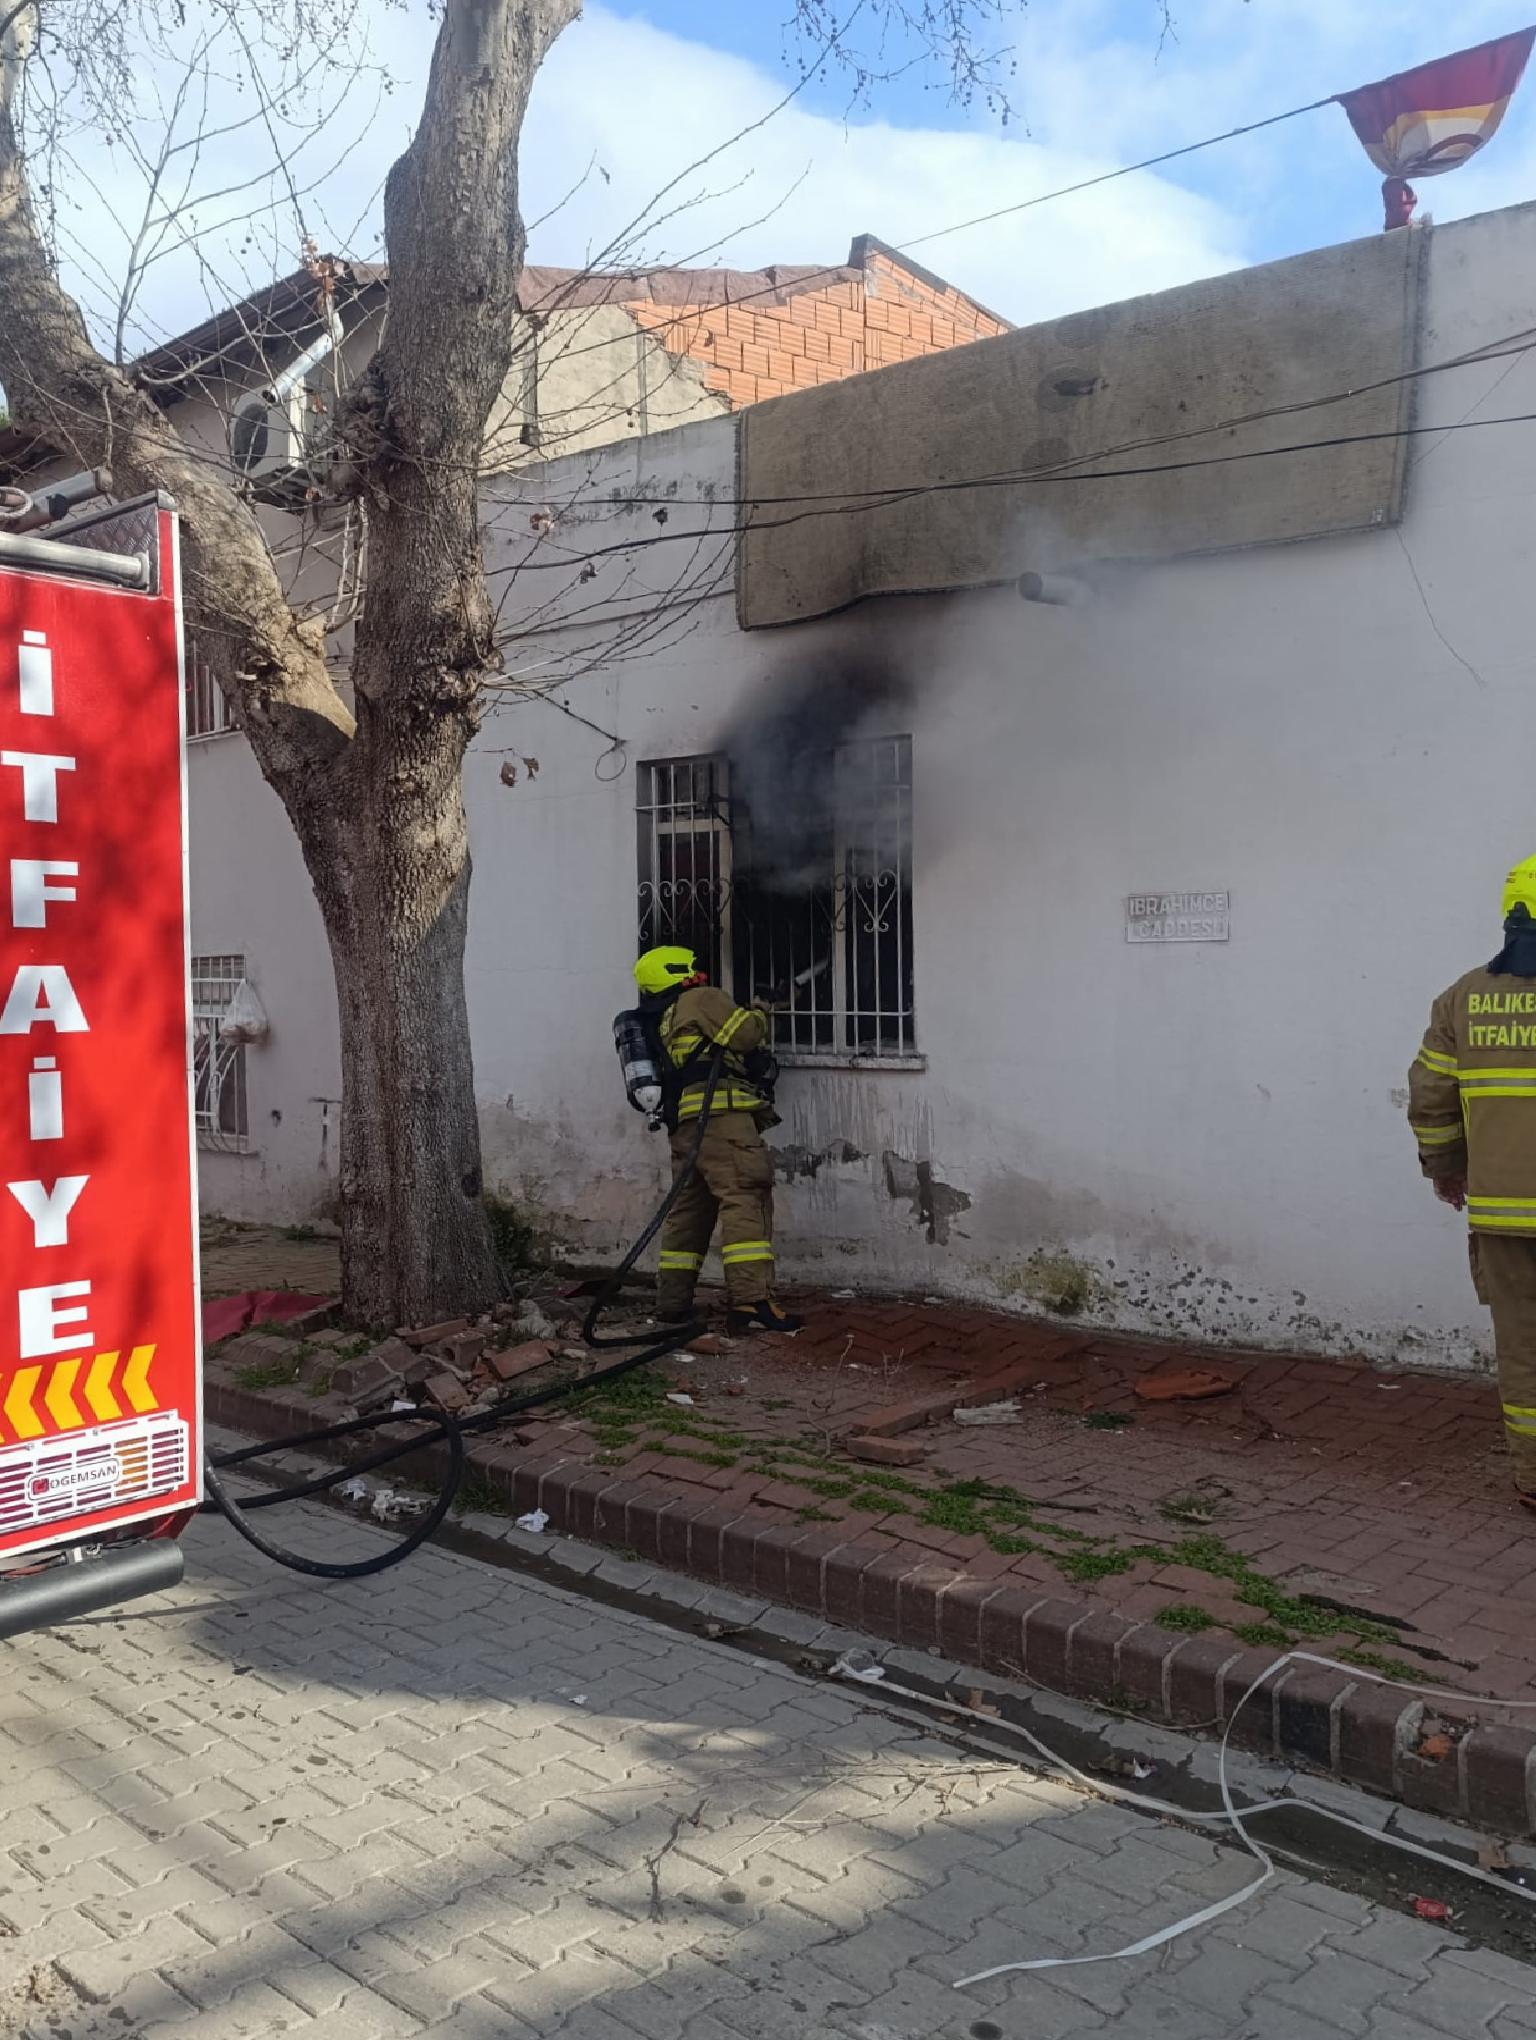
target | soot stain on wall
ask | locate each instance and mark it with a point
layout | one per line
(795, 1163)
(934, 1203)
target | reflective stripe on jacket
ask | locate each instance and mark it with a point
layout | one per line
(704, 1018)
(1472, 1098)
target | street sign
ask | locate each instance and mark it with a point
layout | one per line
(100, 1417)
(1178, 917)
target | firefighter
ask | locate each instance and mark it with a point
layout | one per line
(1472, 1106)
(733, 1177)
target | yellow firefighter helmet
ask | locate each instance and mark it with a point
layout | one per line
(662, 970)
(1520, 888)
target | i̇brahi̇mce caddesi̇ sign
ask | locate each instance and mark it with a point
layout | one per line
(1178, 917)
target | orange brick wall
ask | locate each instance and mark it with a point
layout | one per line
(754, 351)
(906, 316)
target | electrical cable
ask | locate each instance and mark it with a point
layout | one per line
(686, 314)
(1512, 347)
(898, 495)
(637, 1350)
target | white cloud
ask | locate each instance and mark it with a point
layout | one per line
(646, 104)
(1094, 90)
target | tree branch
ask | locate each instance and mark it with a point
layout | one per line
(57, 383)
(455, 241)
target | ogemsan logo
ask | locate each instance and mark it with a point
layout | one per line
(90, 1473)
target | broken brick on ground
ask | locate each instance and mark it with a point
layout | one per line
(1373, 1506)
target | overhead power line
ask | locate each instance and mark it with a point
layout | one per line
(1002, 212)
(1511, 348)
(686, 313)
(1021, 479)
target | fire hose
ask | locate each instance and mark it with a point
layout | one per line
(637, 1350)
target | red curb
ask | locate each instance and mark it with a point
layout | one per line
(919, 1598)
(1091, 1654)
(1308, 1705)
(1255, 1725)
(1141, 1668)
(706, 1540)
(879, 1581)
(1499, 1768)
(805, 1570)
(1354, 1729)
(1374, 1728)
(1048, 1631)
(1194, 1683)
(1002, 1628)
(1432, 1784)
(961, 1608)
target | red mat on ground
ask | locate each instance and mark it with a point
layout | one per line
(223, 1316)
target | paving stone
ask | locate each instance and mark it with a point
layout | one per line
(1339, 1991)
(473, 1857)
(1460, 2000)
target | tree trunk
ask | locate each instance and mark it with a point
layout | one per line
(395, 895)
(411, 1176)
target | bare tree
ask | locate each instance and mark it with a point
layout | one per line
(374, 790)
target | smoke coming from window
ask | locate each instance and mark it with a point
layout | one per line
(782, 749)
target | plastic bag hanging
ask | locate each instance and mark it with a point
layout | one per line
(245, 1018)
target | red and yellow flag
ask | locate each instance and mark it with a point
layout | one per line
(1423, 122)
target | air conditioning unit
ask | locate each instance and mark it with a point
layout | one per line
(276, 436)
(270, 434)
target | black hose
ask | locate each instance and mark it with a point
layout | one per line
(639, 1350)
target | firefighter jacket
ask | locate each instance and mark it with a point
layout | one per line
(1472, 1098)
(699, 1020)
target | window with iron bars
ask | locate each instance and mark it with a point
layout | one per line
(218, 1065)
(207, 711)
(833, 957)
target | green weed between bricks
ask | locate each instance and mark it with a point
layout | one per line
(635, 1413)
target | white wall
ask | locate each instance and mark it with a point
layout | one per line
(251, 898)
(1337, 732)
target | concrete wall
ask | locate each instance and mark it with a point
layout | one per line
(1208, 1137)
(599, 378)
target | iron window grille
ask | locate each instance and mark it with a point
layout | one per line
(218, 1064)
(207, 710)
(834, 957)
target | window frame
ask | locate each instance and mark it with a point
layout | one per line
(737, 933)
(208, 1010)
(208, 711)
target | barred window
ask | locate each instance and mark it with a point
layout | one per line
(833, 955)
(207, 711)
(218, 1065)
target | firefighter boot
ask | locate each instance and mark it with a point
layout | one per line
(763, 1316)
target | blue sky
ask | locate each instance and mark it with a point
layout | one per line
(638, 91)
(1096, 78)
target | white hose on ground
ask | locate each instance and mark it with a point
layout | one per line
(1233, 1815)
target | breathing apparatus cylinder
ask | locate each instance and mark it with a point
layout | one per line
(636, 1049)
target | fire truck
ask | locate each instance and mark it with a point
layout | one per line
(100, 1353)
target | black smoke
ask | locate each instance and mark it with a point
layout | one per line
(784, 779)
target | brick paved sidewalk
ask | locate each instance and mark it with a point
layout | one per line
(1384, 1491)
(1321, 1502)
(1314, 1482)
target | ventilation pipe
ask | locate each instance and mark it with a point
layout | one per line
(1058, 591)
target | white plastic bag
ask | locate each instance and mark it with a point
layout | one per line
(245, 1018)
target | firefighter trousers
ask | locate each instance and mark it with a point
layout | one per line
(733, 1183)
(1504, 1275)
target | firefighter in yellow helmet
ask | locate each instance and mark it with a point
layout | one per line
(698, 1025)
(1472, 1106)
